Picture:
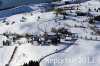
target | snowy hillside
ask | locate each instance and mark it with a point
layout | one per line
(6, 4)
(51, 34)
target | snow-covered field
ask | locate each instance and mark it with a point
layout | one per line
(84, 52)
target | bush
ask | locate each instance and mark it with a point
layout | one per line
(98, 8)
(54, 30)
(59, 10)
(7, 23)
(91, 21)
(22, 20)
(4, 21)
(60, 30)
(89, 9)
(64, 17)
(13, 22)
(7, 65)
(64, 13)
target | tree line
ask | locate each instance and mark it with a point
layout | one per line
(32, 63)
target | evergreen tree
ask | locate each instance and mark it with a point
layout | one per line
(64, 17)
(25, 64)
(4, 43)
(31, 63)
(37, 63)
(54, 41)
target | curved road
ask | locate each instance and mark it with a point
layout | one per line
(46, 22)
(57, 51)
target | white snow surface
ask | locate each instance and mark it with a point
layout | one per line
(26, 52)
